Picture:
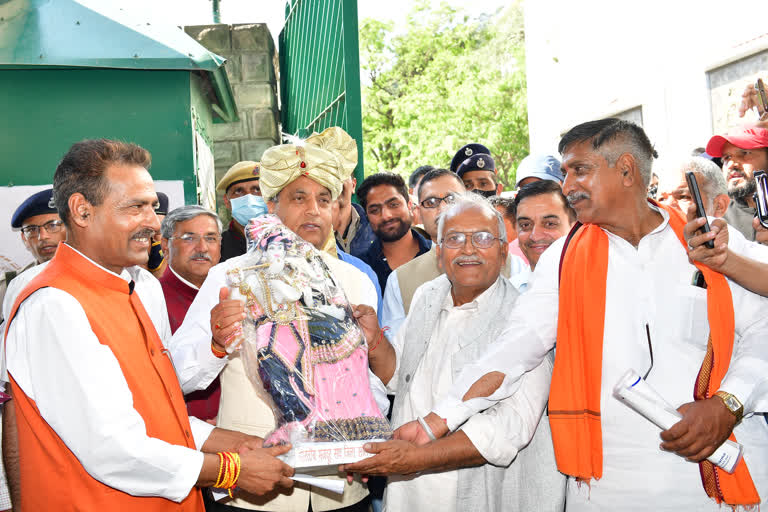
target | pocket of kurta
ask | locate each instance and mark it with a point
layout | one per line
(692, 320)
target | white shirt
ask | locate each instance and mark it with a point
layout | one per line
(17, 285)
(79, 389)
(650, 284)
(14, 288)
(737, 242)
(520, 273)
(392, 308)
(498, 433)
(178, 276)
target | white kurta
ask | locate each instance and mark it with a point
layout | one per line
(79, 389)
(497, 435)
(649, 284)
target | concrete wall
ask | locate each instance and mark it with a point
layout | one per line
(251, 68)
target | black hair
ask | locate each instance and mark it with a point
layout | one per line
(381, 178)
(82, 170)
(435, 174)
(509, 205)
(413, 179)
(540, 188)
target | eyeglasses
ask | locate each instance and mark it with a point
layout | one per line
(193, 239)
(33, 230)
(480, 239)
(434, 202)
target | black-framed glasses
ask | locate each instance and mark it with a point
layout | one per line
(192, 238)
(33, 230)
(480, 239)
(434, 202)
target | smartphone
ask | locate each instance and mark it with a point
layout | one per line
(762, 99)
(693, 187)
(761, 197)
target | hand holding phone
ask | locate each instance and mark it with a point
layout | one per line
(693, 187)
(761, 197)
(762, 99)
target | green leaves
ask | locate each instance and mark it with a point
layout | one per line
(447, 80)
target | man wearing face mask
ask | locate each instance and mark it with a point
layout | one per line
(477, 178)
(242, 197)
(478, 172)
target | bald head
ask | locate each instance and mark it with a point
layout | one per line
(471, 201)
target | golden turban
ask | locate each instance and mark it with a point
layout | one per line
(337, 141)
(327, 158)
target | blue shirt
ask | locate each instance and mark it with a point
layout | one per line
(365, 268)
(364, 236)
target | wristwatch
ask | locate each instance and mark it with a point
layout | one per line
(732, 403)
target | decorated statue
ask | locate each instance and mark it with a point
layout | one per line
(301, 346)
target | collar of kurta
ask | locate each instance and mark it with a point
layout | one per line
(91, 271)
(173, 278)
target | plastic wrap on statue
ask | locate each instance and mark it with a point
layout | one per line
(301, 347)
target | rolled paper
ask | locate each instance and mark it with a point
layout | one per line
(335, 486)
(636, 393)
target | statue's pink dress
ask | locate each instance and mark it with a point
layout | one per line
(311, 361)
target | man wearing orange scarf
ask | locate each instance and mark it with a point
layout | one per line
(619, 297)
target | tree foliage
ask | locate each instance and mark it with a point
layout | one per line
(449, 79)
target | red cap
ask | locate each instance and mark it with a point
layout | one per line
(745, 138)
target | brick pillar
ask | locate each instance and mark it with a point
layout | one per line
(251, 64)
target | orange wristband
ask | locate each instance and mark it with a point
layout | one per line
(216, 352)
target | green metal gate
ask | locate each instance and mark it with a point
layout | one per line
(320, 69)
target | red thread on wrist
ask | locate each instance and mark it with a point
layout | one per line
(378, 339)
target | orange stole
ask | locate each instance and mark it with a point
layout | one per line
(574, 400)
(52, 478)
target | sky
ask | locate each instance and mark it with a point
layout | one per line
(272, 12)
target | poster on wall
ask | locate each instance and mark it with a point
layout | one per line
(204, 165)
(205, 173)
(13, 254)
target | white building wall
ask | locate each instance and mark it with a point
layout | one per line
(588, 59)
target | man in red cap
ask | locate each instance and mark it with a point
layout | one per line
(743, 152)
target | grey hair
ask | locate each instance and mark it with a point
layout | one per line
(713, 182)
(469, 200)
(184, 213)
(643, 160)
(611, 138)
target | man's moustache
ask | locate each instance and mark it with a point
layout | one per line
(144, 233)
(200, 255)
(577, 196)
(467, 259)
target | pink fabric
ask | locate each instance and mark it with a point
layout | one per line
(308, 355)
(514, 249)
